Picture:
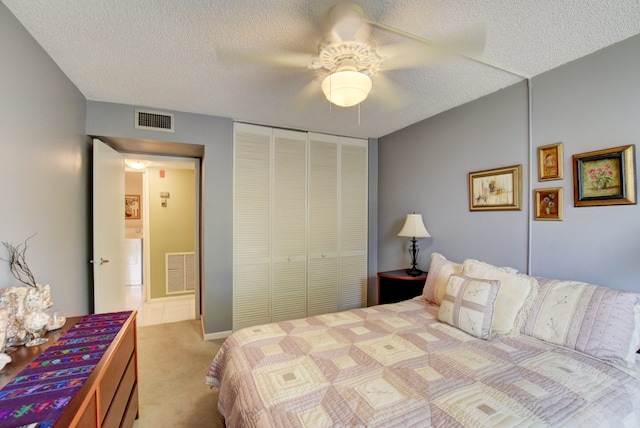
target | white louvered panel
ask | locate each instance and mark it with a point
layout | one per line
(180, 272)
(353, 223)
(300, 224)
(353, 282)
(190, 272)
(353, 193)
(323, 194)
(289, 296)
(289, 193)
(251, 295)
(251, 197)
(251, 226)
(323, 286)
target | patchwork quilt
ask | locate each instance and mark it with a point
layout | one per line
(396, 365)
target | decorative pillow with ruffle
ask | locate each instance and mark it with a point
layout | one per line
(516, 295)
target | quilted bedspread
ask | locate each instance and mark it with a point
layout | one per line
(396, 365)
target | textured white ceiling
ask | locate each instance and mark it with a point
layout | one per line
(163, 53)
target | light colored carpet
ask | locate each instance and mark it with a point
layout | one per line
(172, 363)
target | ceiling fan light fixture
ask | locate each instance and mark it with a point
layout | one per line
(346, 88)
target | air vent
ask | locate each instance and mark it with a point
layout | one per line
(180, 272)
(154, 120)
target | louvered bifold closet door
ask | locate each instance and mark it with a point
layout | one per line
(353, 223)
(322, 279)
(289, 210)
(251, 226)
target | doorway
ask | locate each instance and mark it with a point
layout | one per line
(161, 234)
(155, 297)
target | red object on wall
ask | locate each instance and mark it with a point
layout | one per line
(162, 173)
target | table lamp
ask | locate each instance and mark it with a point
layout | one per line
(414, 228)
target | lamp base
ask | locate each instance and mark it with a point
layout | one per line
(413, 272)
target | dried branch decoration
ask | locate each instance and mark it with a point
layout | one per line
(18, 262)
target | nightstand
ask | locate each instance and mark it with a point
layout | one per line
(396, 285)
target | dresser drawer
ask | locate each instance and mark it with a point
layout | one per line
(89, 416)
(115, 372)
(122, 396)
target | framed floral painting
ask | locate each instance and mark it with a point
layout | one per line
(604, 177)
(496, 189)
(548, 203)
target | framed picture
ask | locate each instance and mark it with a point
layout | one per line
(548, 203)
(604, 177)
(131, 206)
(496, 189)
(550, 162)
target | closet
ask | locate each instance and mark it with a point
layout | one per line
(300, 224)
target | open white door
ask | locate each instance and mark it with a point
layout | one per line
(109, 274)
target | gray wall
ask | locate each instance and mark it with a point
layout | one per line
(43, 167)
(216, 135)
(589, 104)
(424, 167)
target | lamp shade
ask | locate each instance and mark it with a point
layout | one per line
(346, 88)
(414, 227)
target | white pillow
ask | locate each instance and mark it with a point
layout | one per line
(469, 304)
(595, 320)
(515, 297)
(437, 278)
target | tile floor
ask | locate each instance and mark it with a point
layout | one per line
(159, 311)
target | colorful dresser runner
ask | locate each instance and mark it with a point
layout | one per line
(40, 393)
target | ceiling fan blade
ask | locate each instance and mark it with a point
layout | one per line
(388, 93)
(282, 59)
(346, 22)
(407, 55)
(309, 92)
(419, 50)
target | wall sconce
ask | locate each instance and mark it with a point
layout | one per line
(414, 228)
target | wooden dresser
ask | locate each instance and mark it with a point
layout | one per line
(109, 395)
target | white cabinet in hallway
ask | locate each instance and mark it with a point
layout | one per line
(133, 261)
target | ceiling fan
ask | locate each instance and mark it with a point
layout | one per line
(348, 62)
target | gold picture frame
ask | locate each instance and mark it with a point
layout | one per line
(604, 177)
(550, 162)
(496, 189)
(549, 203)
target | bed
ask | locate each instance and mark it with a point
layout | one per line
(412, 363)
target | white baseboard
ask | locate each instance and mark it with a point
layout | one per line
(171, 298)
(218, 335)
